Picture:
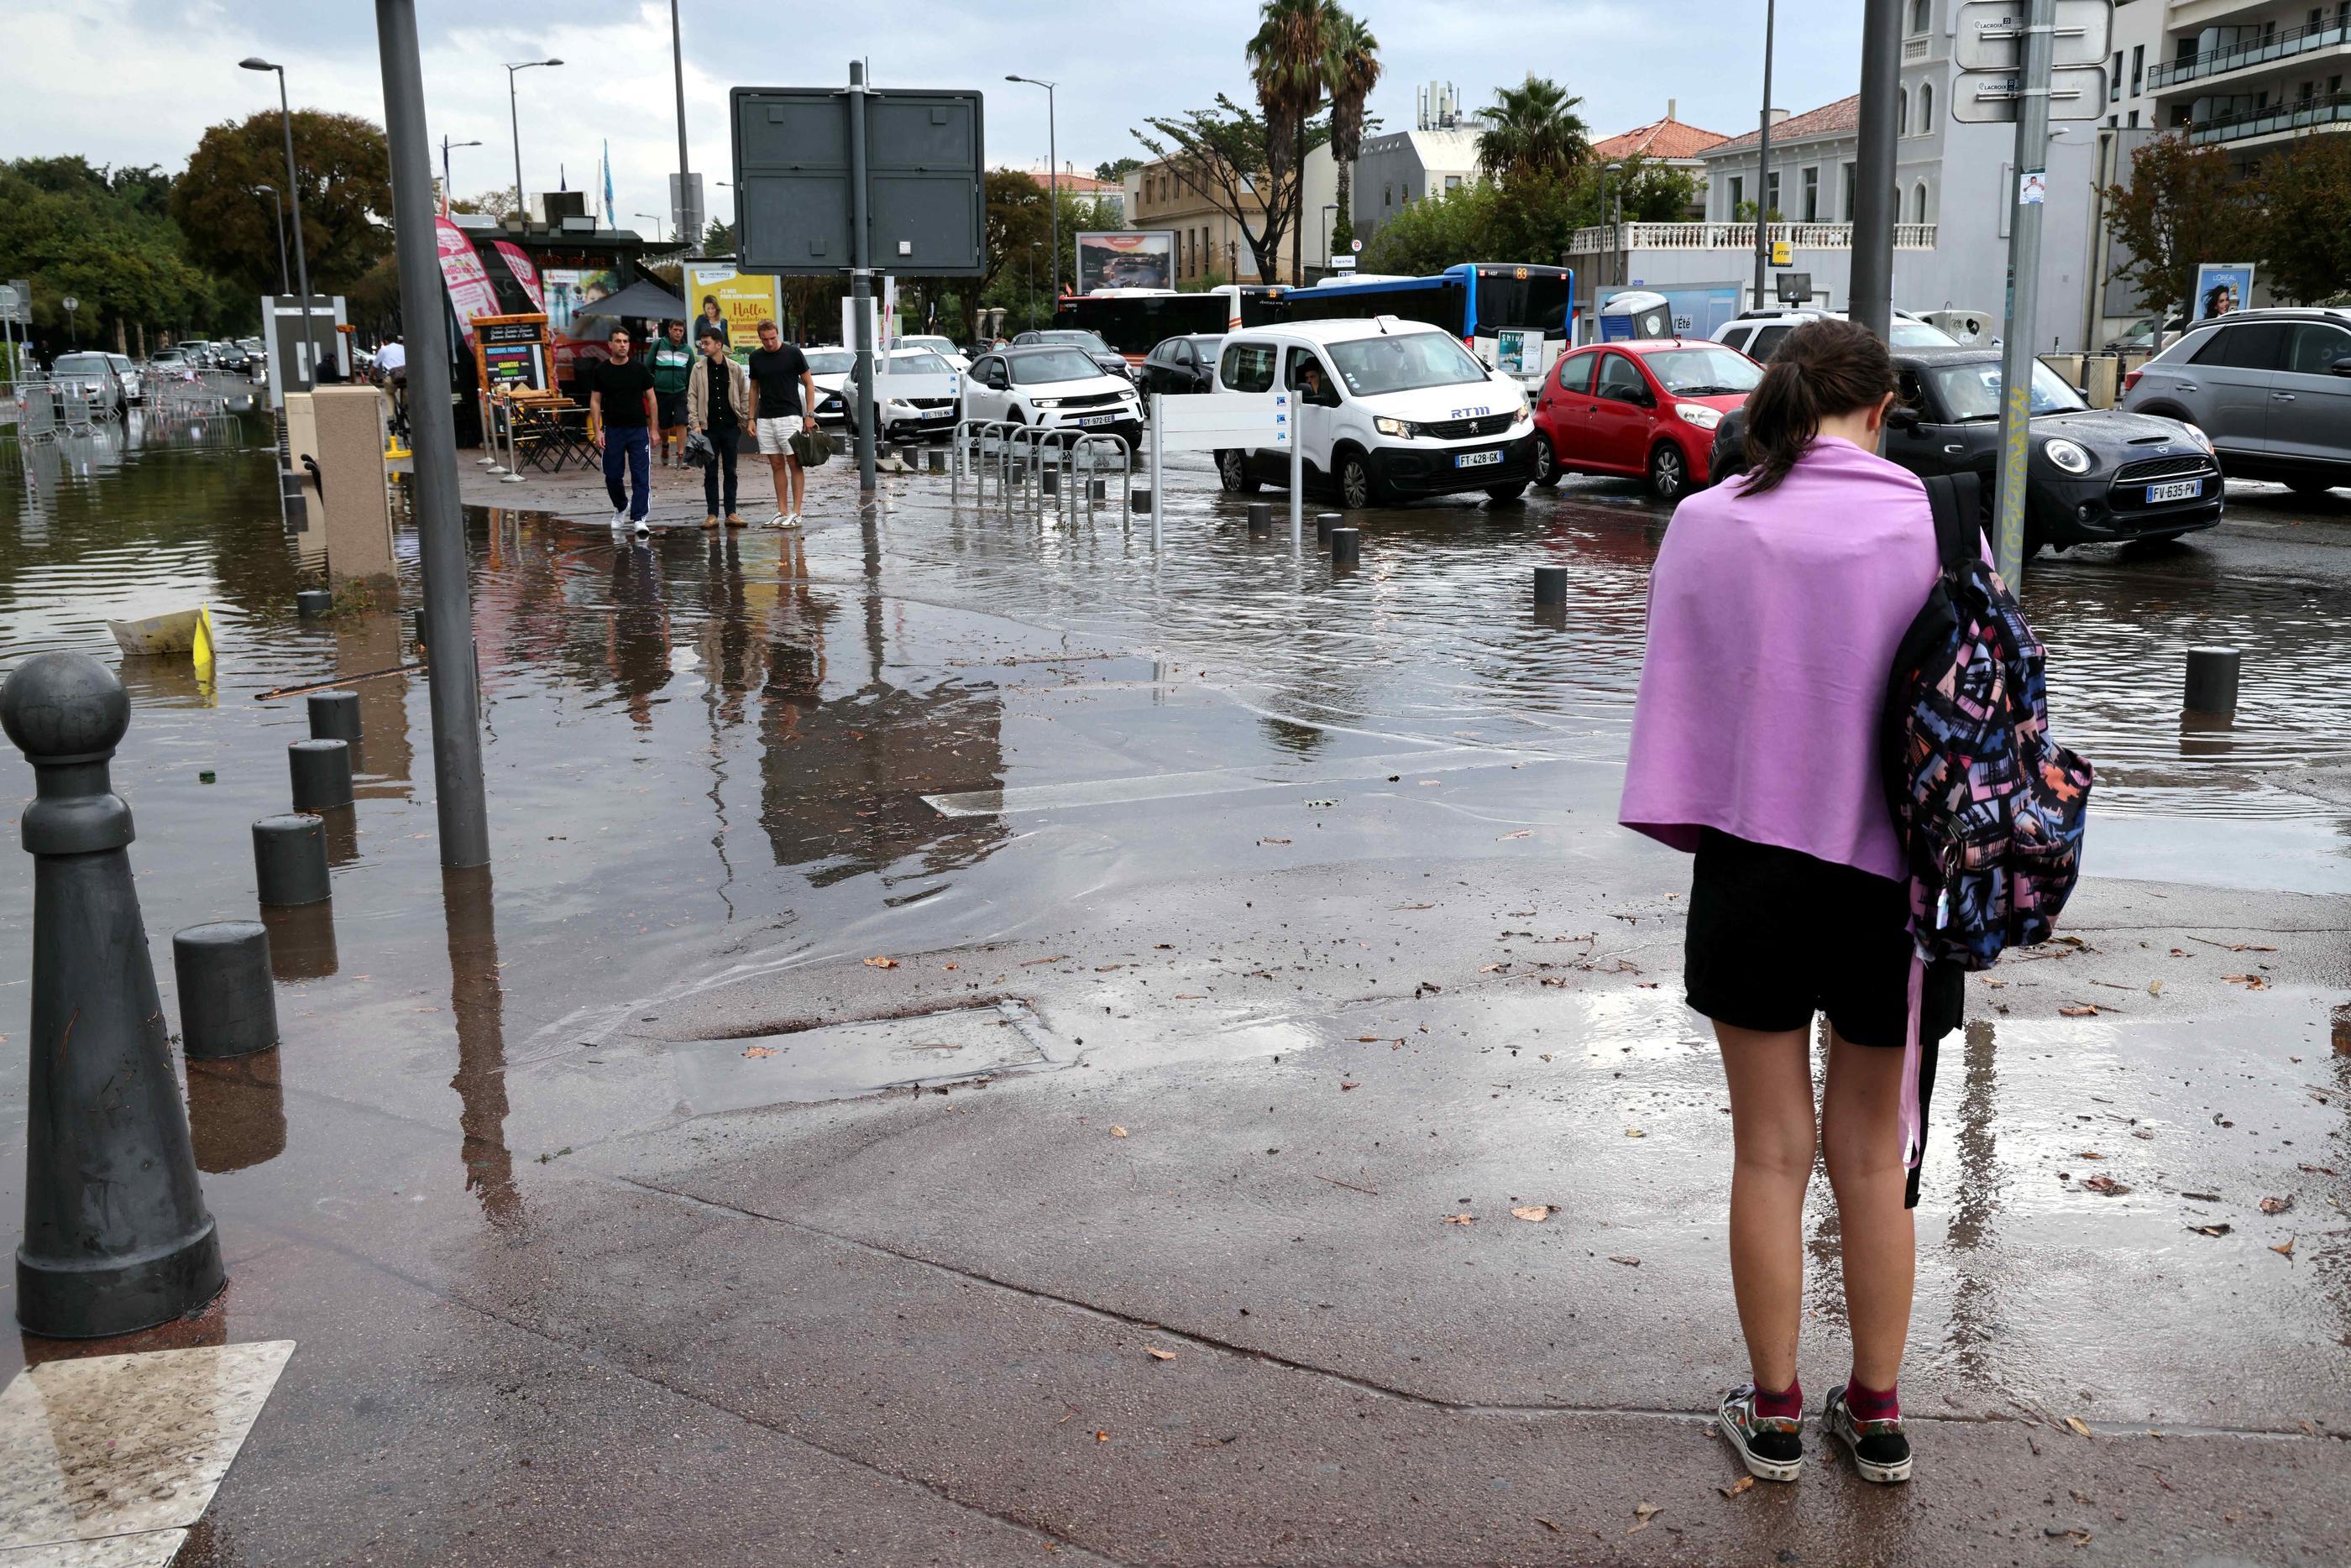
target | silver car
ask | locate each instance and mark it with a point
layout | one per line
(133, 386)
(2271, 388)
(92, 374)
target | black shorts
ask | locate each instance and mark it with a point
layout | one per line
(672, 408)
(1776, 935)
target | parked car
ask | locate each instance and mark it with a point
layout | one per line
(1647, 408)
(944, 347)
(2140, 333)
(2271, 387)
(134, 386)
(1054, 386)
(916, 397)
(2095, 475)
(1755, 333)
(1386, 409)
(828, 369)
(92, 374)
(231, 357)
(1182, 365)
(1109, 359)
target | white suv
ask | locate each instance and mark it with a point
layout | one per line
(1756, 333)
(1053, 387)
(1387, 409)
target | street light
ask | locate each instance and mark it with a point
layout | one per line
(294, 197)
(1052, 178)
(514, 117)
(1329, 208)
(1607, 238)
(277, 212)
(657, 224)
(448, 192)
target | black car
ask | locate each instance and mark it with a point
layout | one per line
(2096, 476)
(1112, 362)
(1186, 364)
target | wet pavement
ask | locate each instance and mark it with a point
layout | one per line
(1221, 923)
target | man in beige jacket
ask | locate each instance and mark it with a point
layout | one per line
(718, 408)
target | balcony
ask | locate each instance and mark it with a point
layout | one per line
(1736, 237)
(2283, 45)
(1914, 49)
(2302, 114)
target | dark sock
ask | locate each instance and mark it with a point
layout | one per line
(1871, 1404)
(1788, 1405)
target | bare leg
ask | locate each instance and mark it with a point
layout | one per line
(776, 464)
(1861, 1134)
(1772, 1140)
(800, 481)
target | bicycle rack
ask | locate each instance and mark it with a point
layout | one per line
(1020, 454)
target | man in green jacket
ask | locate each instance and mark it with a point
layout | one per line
(671, 363)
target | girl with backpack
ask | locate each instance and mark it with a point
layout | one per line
(1777, 606)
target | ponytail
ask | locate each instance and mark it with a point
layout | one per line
(1823, 368)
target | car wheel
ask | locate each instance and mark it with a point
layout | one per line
(1358, 487)
(1503, 494)
(2309, 486)
(1232, 472)
(1669, 473)
(1547, 470)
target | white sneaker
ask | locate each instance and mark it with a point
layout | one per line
(620, 516)
(644, 527)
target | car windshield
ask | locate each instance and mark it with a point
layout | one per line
(1972, 391)
(1918, 335)
(918, 365)
(1089, 341)
(81, 362)
(831, 361)
(1403, 362)
(1042, 365)
(935, 345)
(1704, 372)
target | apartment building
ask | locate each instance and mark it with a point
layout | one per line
(1207, 239)
(2249, 75)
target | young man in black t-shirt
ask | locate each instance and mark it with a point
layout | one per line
(783, 391)
(620, 419)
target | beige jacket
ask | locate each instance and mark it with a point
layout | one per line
(697, 395)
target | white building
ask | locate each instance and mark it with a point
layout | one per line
(2248, 76)
(1438, 154)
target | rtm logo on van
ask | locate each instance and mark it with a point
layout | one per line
(1470, 413)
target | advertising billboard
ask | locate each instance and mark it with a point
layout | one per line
(2220, 287)
(744, 300)
(1126, 258)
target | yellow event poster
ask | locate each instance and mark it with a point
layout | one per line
(744, 300)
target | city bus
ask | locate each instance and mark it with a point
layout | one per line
(1136, 320)
(1513, 316)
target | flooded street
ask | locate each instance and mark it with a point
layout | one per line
(1243, 916)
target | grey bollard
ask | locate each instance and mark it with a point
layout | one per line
(938, 457)
(289, 860)
(334, 715)
(116, 1235)
(321, 770)
(1049, 480)
(1260, 516)
(1551, 585)
(312, 603)
(228, 1005)
(1346, 547)
(1100, 491)
(1324, 522)
(1139, 499)
(419, 614)
(2211, 681)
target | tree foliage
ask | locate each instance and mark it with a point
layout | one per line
(1116, 168)
(1351, 69)
(345, 170)
(1530, 218)
(101, 236)
(2182, 207)
(1533, 130)
(1221, 155)
(2302, 203)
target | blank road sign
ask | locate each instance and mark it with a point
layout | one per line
(926, 198)
(1989, 35)
(2077, 92)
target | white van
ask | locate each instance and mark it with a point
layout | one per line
(1387, 409)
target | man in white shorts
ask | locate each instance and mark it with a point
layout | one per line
(783, 391)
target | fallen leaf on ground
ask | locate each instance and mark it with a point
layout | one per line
(755, 1052)
(2155, 988)
(2087, 1154)
(1489, 969)
(1157, 1354)
(1643, 1512)
(1547, 1524)
(1628, 1263)
(2078, 1537)
(1118, 1132)
(1102, 1437)
(1273, 841)
(1344, 1086)
(2284, 1249)
(2085, 1010)
(1533, 1213)
(1365, 1039)
(1744, 1483)
(2203, 1196)
(881, 963)
(2105, 1186)
(2277, 1205)
(2249, 981)
(2316, 1169)
(1635, 1132)
(1461, 1218)
(2080, 1428)
(2211, 1230)
(1522, 833)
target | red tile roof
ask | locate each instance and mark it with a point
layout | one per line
(1668, 137)
(1841, 118)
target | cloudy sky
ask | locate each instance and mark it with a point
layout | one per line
(136, 81)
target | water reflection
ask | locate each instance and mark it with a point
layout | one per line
(1974, 1176)
(301, 939)
(477, 1002)
(236, 1111)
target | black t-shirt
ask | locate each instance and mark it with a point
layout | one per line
(777, 376)
(722, 413)
(623, 387)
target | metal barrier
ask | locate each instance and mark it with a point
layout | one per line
(36, 411)
(1018, 454)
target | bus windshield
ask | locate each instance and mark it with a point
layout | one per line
(1136, 323)
(1403, 362)
(1537, 300)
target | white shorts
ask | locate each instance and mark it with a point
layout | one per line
(776, 435)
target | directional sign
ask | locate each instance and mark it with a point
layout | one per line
(1990, 35)
(16, 302)
(924, 177)
(1216, 421)
(2076, 92)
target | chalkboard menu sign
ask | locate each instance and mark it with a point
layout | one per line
(510, 352)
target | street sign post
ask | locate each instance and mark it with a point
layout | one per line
(685, 212)
(1989, 35)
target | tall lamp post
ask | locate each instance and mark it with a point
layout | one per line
(514, 118)
(1052, 179)
(1763, 159)
(657, 223)
(1330, 210)
(448, 192)
(1607, 234)
(303, 370)
(277, 215)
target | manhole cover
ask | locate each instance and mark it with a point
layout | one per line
(842, 1060)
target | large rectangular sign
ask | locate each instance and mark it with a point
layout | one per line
(511, 351)
(1125, 258)
(1989, 35)
(2075, 92)
(925, 182)
(2220, 287)
(1214, 422)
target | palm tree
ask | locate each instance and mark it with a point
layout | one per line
(1286, 61)
(1532, 129)
(1349, 70)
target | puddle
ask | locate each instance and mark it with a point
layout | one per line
(840, 1060)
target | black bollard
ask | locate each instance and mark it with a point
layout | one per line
(1346, 547)
(2211, 681)
(1100, 491)
(116, 1235)
(1139, 499)
(1551, 585)
(289, 861)
(1049, 480)
(321, 772)
(938, 456)
(1326, 521)
(419, 617)
(335, 716)
(312, 603)
(228, 1005)
(1260, 516)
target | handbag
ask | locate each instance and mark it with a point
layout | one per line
(811, 448)
(696, 452)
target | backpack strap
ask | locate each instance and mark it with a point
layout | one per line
(1959, 535)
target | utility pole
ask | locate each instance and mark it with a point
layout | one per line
(1876, 202)
(861, 282)
(684, 194)
(2025, 203)
(452, 678)
(1763, 159)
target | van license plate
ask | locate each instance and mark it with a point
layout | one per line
(1097, 420)
(2181, 490)
(1477, 458)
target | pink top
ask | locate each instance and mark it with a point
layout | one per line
(1773, 621)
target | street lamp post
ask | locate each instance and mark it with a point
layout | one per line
(1607, 231)
(514, 120)
(657, 224)
(1329, 210)
(1052, 178)
(1763, 159)
(277, 215)
(303, 370)
(448, 192)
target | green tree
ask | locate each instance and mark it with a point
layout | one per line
(1349, 70)
(1114, 168)
(1287, 59)
(99, 235)
(1018, 215)
(498, 204)
(1533, 129)
(2301, 231)
(2182, 207)
(1221, 154)
(344, 168)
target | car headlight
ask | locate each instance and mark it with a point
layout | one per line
(2196, 433)
(2067, 455)
(1698, 414)
(1044, 402)
(1403, 430)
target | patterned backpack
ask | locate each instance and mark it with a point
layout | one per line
(1990, 809)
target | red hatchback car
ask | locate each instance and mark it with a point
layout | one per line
(1648, 408)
